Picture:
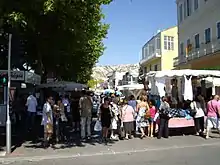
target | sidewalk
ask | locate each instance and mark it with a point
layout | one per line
(27, 152)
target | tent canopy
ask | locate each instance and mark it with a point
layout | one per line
(187, 72)
(131, 87)
(65, 85)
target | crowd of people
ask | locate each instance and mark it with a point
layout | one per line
(130, 116)
(119, 118)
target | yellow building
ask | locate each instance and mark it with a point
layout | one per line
(158, 53)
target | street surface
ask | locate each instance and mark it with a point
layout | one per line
(181, 150)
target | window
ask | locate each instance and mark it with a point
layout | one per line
(189, 7)
(165, 42)
(207, 35)
(158, 46)
(145, 69)
(181, 49)
(197, 44)
(185, 11)
(1, 95)
(188, 42)
(181, 13)
(155, 67)
(168, 43)
(150, 68)
(218, 30)
(172, 43)
(196, 4)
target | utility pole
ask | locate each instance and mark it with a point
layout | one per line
(8, 122)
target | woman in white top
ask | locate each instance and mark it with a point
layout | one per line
(47, 121)
(196, 105)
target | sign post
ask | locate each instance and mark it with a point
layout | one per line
(8, 122)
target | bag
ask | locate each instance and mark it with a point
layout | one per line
(98, 126)
(156, 116)
(193, 111)
(148, 115)
(63, 118)
(49, 128)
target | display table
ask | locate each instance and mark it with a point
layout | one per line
(180, 123)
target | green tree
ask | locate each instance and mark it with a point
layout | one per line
(59, 36)
(92, 83)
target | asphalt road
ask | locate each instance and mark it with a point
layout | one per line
(184, 155)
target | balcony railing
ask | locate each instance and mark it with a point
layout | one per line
(179, 60)
(156, 53)
(204, 50)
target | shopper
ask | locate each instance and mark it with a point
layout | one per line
(31, 112)
(164, 119)
(213, 112)
(47, 121)
(85, 107)
(143, 107)
(128, 115)
(132, 102)
(75, 113)
(152, 124)
(105, 115)
(115, 113)
(196, 107)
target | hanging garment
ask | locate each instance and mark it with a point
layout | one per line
(180, 89)
(160, 84)
(174, 95)
(168, 87)
(152, 86)
(188, 91)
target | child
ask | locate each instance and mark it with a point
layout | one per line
(153, 111)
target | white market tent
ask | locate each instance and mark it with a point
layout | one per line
(212, 77)
(209, 75)
(187, 72)
(64, 85)
(132, 89)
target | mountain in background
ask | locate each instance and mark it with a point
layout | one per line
(102, 72)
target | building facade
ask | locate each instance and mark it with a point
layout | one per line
(122, 78)
(158, 53)
(199, 34)
(114, 78)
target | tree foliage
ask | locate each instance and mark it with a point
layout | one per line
(63, 37)
(93, 83)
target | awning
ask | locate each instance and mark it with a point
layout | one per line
(130, 87)
(64, 85)
(187, 72)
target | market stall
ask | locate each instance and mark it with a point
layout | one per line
(181, 86)
(133, 89)
(64, 86)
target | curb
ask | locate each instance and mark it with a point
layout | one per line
(8, 160)
(2, 153)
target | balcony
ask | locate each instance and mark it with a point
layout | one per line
(179, 60)
(204, 50)
(155, 54)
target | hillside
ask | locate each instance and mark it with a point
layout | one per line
(102, 72)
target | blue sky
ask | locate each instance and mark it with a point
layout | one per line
(132, 23)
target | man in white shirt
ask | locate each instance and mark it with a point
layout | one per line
(31, 110)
